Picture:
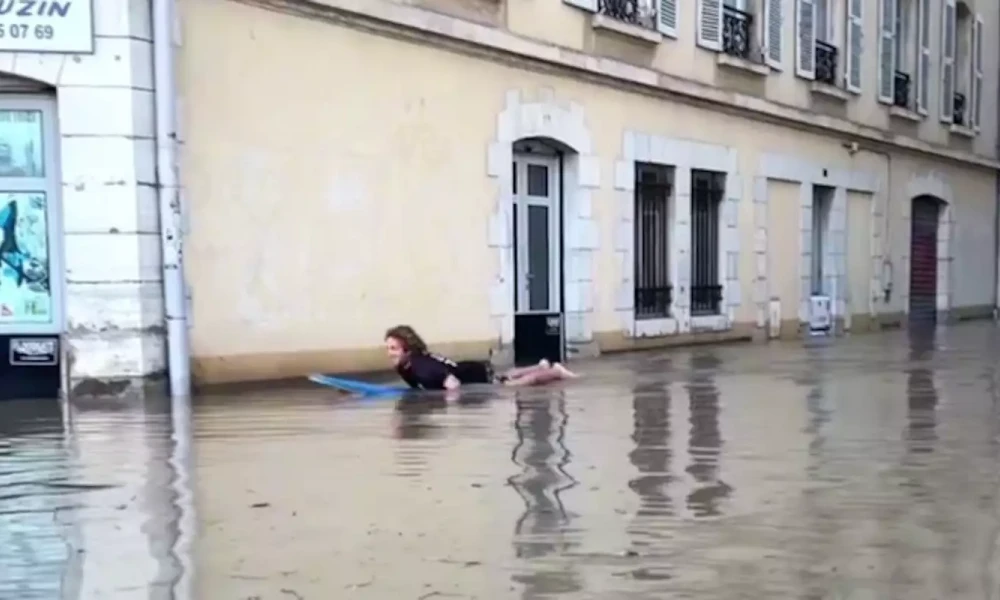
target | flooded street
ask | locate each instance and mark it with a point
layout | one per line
(862, 468)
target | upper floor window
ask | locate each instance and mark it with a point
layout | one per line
(633, 12)
(738, 29)
(747, 29)
(961, 65)
(828, 42)
(656, 15)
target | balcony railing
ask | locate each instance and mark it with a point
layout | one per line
(653, 302)
(736, 28)
(901, 91)
(628, 11)
(826, 63)
(706, 299)
(958, 109)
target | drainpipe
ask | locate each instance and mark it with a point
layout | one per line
(996, 225)
(168, 193)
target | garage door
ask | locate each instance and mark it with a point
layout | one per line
(923, 260)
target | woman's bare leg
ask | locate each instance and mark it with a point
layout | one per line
(517, 372)
(541, 375)
(566, 373)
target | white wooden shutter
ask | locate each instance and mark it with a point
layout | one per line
(977, 73)
(590, 5)
(948, 48)
(773, 18)
(855, 43)
(886, 50)
(805, 39)
(666, 21)
(710, 24)
(924, 57)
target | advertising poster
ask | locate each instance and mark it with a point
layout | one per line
(25, 295)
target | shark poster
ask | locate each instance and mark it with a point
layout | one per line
(25, 294)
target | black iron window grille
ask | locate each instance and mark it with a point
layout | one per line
(632, 12)
(653, 293)
(737, 26)
(826, 63)
(958, 109)
(901, 90)
(707, 190)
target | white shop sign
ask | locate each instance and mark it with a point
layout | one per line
(47, 26)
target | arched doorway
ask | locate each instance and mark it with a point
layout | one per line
(538, 250)
(924, 223)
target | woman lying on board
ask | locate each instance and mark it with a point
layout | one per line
(426, 371)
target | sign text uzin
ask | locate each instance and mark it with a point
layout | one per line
(35, 8)
(47, 26)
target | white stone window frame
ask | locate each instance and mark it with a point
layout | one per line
(808, 174)
(545, 118)
(935, 185)
(684, 156)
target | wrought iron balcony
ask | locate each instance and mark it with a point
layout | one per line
(901, 91)
(958, 109)
(633, 12)
(826, 63)
(706, 299)
(736, 28)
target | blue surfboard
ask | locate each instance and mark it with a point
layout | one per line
(361, 388)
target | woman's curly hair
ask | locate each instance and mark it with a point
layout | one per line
(408, 338)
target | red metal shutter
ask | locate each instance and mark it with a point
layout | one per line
(923, 260)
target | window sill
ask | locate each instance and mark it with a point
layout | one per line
(735, 62)
(709, 323)
(830, 91)
(655, 327)
(963, 131)
(905, 113)
(643, 34)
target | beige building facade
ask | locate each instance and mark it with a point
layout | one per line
(653, 173)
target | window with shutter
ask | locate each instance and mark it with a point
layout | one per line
(710, 24)
(666, 20)
(772, 33)
(805, 39)
(948, 48)
(924, 57)
(886, 50)
(590, 5)
(977, 72)
(855, 43)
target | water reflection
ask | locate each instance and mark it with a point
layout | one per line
(95, 500)
(543, 529)
(39, 555)
(651, 458)
(921, 393)
(414, 421)
(705, 439)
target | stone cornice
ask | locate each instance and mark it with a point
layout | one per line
(423, 26)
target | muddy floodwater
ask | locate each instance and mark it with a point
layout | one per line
(862, 468)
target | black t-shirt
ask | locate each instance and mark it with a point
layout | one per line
(428, 371)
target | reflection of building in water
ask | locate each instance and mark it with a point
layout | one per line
(921, 394)
(543, 528)
(136, 517)
(38, 506)
(705, 441)
(651, 458)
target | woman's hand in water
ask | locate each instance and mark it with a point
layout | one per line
(452, 396)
